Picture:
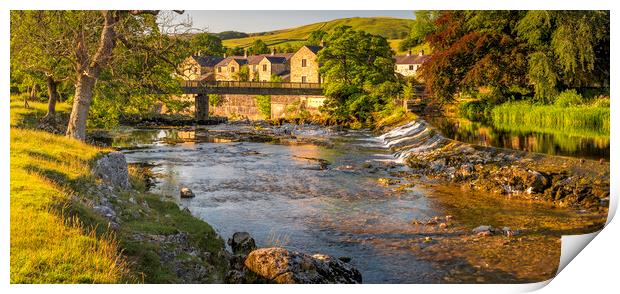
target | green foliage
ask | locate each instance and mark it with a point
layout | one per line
(276, 79)
(258, 47)
(264, 105)
(215, 100)
(234, 51)
(356, 84)
(477, 110)
(568, 98)
(540, 50)
(601, 102)
(423, 25)
(207, 44)
(316, 37)
(243, 74)
(574, 120)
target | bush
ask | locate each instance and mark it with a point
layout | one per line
(478, 110)
(601, 102)
(568, 98)
(215, 100)
(264, 105)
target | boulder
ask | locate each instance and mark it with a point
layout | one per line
(242, 243)
(283, 266)
(484, 230)
(112, 169)
(187, 193)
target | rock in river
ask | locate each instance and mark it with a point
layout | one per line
(112, 169)
(187, 193)
(283, 266)
(242, 243)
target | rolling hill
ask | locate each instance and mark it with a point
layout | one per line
(391, 28)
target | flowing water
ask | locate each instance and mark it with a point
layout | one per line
(285, 195)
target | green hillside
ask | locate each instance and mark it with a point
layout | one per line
(391, 28)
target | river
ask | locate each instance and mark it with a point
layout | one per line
(284, 196)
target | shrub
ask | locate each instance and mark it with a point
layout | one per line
(264, 105)
(601, 102)
(215, 100)
(477, 110)
(568, 98)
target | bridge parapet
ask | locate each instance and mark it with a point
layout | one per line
(258, 88)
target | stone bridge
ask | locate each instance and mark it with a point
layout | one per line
(283, 89)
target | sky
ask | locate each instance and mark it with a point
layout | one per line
(254, 21)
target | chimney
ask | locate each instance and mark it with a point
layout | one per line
(409, 53)
(322, 43)
(421, 52)
(245, 53)
(273, 51)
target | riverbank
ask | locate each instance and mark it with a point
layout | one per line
(562, 181)
(67, 226)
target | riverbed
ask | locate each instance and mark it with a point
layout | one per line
(346, 199)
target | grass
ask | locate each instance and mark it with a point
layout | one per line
(57, 238)
(392, 28)
(580, 121)
(29, 117)
(392, 117)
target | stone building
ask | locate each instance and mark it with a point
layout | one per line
(408, 65)
(304, 66)
(278, 65)
(199, 67)
(227, 69)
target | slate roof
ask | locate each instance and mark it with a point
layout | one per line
(207, 61)
(239, 59)
(411, 59)
(315, 49)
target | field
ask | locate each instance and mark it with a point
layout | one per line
(391, 28)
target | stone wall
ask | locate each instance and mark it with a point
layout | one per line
(281, 105)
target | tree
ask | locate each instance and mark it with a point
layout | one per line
(234, 51)
(517, 53)
(354, 65)
(243, 74)
(316, 37)
(93, 50)
(258, 47)
(37, 52)
(207, 44)
(422, 26)
(568, 49)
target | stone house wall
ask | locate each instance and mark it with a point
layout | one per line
(310, 71)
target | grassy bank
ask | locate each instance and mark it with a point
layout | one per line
(57, 237)
(582, 121)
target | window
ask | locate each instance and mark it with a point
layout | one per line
(195, 70)
(219, 69)
(232, 69)
(264, 67)
(303, 63)
(254, 68)
(304, 79)
(411, 67)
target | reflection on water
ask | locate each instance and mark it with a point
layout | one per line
(278, 195)
(553, 144)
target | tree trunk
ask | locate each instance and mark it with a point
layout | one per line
(87, 74)
(81, 103)
(52, 93)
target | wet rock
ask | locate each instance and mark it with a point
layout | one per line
(483, 230)
(112, 169)
(283, 266)
(242, 243)
(187, 193)
(366, 165)
(345, 259)
(387, 181)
